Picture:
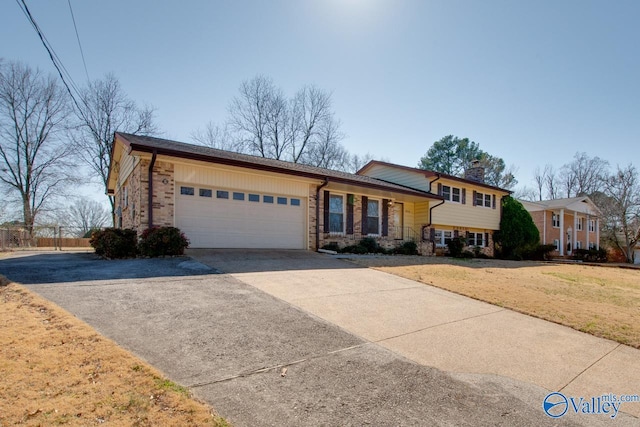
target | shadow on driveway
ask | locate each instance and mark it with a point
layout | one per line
(58, 267)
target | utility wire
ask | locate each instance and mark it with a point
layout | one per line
(78, 38)
(55, 59)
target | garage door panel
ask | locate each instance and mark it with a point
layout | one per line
(228, 223)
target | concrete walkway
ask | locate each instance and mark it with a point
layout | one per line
(438, 328)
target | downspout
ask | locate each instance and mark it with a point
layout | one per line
(320, 187)
(151, 165)
(431, 208)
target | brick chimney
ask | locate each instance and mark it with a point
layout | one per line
(475, 172)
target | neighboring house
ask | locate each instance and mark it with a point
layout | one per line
(470, 208)
(568, 224)
(221, 199)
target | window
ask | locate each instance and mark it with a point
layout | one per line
(483, 199)
(295, 202)
(578, 244)
(592, 245)
(187, 191)
(282, 200)
(556, 243)
(555, 220)
(238, 196)
(205, 192)
(592, 225)
(267, 199)
(336, 214)
(451, 193)
(476, 239)
(580, 225)
(254, 198)
(220, 194)
(373, 217)
(443, 237)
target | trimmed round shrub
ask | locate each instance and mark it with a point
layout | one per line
(115, 243)
(407, 248)
(162, 241)
(456, 246)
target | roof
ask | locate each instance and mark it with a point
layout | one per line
(212, 155)
(430, 174)
(581, 204)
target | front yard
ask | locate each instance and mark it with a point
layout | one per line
(601, 301)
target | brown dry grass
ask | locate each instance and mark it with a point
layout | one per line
(56, 370)
(601, 301)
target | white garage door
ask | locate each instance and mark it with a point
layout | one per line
(213, 218)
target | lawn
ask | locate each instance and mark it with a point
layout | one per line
(601, 301)
(56, 370)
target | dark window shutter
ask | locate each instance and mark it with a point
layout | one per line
(455, 234)
(365, 203)
(326, 211)
(432, 234)
(486, 239)
(474, 197)
(494, 201)
(439, 189)
(349, 213)
(385, 217)
(464, 196)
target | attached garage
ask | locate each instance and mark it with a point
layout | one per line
(228, 218)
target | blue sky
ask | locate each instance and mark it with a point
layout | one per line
(531, 82)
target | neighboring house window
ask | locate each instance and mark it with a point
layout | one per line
(205, 192)
(556, 243)
(187, 191)
(580, 225)
(555, 220)
(483, 199)
(336, 213)
(373, 216)
(476, 239)
(592, 245)
(443, 237)
(592, 225)
(451, 193)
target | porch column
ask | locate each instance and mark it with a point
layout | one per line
(544, 227)
(562, 232)
(587, 231)
(574, 244)
(597, 233)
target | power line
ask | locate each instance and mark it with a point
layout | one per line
(57, 63)
(78, 38)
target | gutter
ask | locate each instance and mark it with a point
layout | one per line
(320, 187)
(151, 165)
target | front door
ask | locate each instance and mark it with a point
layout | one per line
(398, 221)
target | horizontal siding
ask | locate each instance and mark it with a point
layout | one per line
(236, 178)
(399, 176)
(127, 164)
(409, 216)
(421, 215)
(459, 215)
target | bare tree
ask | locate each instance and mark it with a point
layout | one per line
(105, 110)
(357, 162)
(551, 182)
(86, 215)
(301, 129)
(217, 136)
(526, 193)
(33, 113)
(622, 210)
(584, 175)
(539, 178)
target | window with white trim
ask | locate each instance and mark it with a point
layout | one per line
(580, 224)
(336, 213)
(592, 225)
(443, 237)
(451, 193)
(373, 216)
(555, 220)
(483, 199)
(556, 243)
(578, 244)
(476, 239)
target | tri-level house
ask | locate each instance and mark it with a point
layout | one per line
(569, 224)
(468, 208)
(222, 199)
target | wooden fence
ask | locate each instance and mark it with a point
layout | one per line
(65, 242)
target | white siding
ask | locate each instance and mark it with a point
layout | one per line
(127, 164)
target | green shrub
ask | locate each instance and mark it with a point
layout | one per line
(371, 245)
(518, 235)
(407, 248)
(539, 253)
(332, 246)
(354, 249)
(467, 254)
(162, 241)
(115, 243)
(456, 245)
(590, 255)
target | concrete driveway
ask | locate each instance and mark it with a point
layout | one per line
(228, 340)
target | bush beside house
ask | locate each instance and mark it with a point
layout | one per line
(114, 243)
